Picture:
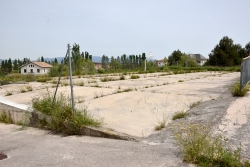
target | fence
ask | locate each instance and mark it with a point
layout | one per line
(245, 72)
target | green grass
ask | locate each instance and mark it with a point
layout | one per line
(63, 119)
(201, 148)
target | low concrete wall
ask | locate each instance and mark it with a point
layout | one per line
(34, 119)
(19, 116)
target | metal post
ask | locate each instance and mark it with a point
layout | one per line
(71, 84)
(145, 64)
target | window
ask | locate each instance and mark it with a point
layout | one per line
(24, 70)
(38, 70)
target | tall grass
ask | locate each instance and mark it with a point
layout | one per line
(63, 119)
(198, 146)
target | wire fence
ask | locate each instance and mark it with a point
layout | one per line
(245, 72)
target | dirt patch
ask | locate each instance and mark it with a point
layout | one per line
(3, 156)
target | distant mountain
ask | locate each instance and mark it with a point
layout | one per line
(96, 59)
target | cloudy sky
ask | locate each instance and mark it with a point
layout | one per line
(35, 28)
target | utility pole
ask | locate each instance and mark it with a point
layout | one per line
(71, 84)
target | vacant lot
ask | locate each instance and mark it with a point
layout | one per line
(132, 106)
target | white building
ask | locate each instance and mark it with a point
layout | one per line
(35, 68)
(161, 63)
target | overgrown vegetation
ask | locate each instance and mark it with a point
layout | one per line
(237, 91)
(5, 118)
(179, 115)
(161, 123)
(12, 78)
(135, 76)
(63, 119)
(198, 146)
(8, 92)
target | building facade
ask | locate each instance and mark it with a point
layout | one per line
(35, 68)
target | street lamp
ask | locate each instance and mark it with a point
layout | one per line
(150, 56)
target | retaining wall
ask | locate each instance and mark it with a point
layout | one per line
(34, 118)
(19, 116)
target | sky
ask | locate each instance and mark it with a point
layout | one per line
(35, 28)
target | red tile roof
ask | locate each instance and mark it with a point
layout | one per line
(42, 64)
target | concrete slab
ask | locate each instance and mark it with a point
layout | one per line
(154, 97)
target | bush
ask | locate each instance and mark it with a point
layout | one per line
(63, 120)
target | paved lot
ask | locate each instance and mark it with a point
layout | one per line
(34, 147)
(154, 97)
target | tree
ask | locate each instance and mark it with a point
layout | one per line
(105, 62)
(247, 49)
(187, 60)
(226, 53)
(55, 61)
(42, 59)
(175, 57)
(76, 58)
(15, 65)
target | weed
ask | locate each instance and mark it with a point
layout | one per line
(161, 123)
(29, 88)
(135, 76)
(106, 79)
(122, 77)
(54, 82)
(179, 115)
(180, 80)
(22, 90)
(64, 83)
(127, 90)
(8, 92)
(5, 118)
(63, 119)
(81, 83)
(195, 104)
(237, 91)
(198, 146)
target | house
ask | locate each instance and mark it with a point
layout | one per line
(160, 63)
(201, 60)
(97, 65)
(35, 68)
